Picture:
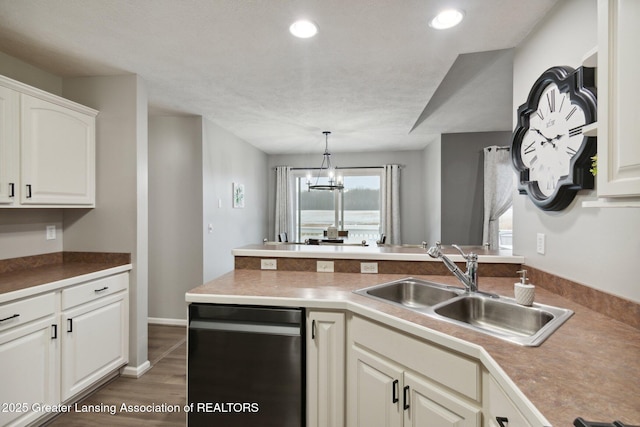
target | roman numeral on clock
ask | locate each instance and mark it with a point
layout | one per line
(551, 100)
(576, 130)
(571, 151)
(573, 110)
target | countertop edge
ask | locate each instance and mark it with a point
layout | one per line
(63, 283)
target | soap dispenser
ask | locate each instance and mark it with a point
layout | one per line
(524, 291)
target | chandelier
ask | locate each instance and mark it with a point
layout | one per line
(326, 170)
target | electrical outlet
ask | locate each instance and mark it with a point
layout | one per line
(51, 232)
(540, 243)
(268, 264)
(324, 266)
(369, 267)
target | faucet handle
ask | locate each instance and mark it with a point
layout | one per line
(469, 257)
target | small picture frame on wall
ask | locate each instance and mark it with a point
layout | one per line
(238, 195)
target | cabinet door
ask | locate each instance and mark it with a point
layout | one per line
(58, 154)
(375, 388)
(430, 406)
(498, 405)
(618, 91)
(9, 154)
(28, 370)
(94, 342)
(325, 369)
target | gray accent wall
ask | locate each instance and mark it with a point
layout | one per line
(462, 172)
(432, 166)
(593, 246)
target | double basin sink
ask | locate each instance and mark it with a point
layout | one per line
(495, 315)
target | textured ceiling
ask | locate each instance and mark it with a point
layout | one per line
(374, 72)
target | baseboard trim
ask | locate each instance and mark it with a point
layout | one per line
(167, 322)
(136, 371)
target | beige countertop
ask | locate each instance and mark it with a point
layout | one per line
(590, 367)
(372, 252)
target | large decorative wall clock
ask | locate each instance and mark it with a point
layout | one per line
(549, 150)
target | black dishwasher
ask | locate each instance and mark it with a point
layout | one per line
(245, 366)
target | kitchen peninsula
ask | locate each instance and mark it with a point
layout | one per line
(579, 371)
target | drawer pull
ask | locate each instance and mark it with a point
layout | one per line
(394, 392)
(101, 289)
(9, 318)
(12, 189)
(69, 325)
(313, 329)
(406, 397)
(55, 332)
(28, 191)
(502, 421)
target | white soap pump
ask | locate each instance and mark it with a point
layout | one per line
(524, 292)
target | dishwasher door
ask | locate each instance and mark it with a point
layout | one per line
(245, 366)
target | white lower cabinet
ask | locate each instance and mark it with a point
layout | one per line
(325, 368)
(28, 368)
(94, 342)
(58, 344)
(430, 405)
(499, 409)
(396, 380)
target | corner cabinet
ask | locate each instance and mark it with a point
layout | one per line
(325, 368)
(47, 149)
(396, 380)
(618, 92)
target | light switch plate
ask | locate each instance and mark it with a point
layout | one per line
(369, 267)
(324, 266)
(51, 232)
(268, 264)
(540, 243)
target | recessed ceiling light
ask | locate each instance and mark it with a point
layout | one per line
(303, 29)
(447, 19)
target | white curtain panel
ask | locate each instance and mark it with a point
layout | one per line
(284, 202)
(499, 185)
(391, 204)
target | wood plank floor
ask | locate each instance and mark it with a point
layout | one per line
(164, 383)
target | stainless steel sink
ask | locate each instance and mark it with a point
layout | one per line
(504, 318)
(412, 293)
(497, 316)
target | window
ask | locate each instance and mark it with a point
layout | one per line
(355, 209)
(505, 236)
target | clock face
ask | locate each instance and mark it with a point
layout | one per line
(554, 137)
(549, 149)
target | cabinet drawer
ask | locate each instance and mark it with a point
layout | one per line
(20, 312)
(93, 290)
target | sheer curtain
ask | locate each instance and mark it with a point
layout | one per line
(498, 191)
(284, 202)
(391, 204)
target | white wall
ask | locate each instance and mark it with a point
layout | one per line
(228, 159)
(597, 247)
(175, 213)
(411, 183)
(119, 221)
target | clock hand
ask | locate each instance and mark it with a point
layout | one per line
(546, 139)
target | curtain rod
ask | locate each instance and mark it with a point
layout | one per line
(344, 167)
(499, 148)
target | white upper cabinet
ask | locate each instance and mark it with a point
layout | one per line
(47, 149)
(9, 153)
(618, 94)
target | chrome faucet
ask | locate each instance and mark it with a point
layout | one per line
(468, 279)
